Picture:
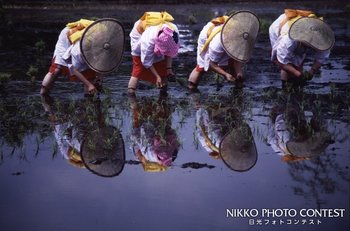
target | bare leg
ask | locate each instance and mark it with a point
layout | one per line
(99, 82)
(194, 78)
(49, 80)
(284, 75)
(238, 69)
(132, 85)
(164, 88)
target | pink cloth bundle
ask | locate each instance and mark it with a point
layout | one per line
(165, 44)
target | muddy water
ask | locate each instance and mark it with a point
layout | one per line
(42, 189)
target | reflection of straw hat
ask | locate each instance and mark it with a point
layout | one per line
(312, 31)
(313, 146)
(102, 45)
(103, 152)
(238, 150)
(239, 33)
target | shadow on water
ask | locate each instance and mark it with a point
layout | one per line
(224, 147)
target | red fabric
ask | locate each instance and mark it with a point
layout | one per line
(140, 72)
(199, 69)
(88, 74)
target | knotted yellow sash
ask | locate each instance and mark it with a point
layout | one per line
(293, 15)
(217, 24)
(153, 167)
(74, 158)
(154, 19)
(76, 29)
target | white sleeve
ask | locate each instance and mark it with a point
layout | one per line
(285, 50)
(216, 50)
(77, 60)
(147, 46)
(135, 40)
(274, 29)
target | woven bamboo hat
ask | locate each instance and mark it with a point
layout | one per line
(314, 32)
(103, 152)
(102, 45)
(238, 149)
(239, 34)
(312, 146)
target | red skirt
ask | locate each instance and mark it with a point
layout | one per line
(140, 72)
(88, 74)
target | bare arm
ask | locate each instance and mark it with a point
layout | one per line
(314, 68)
(169, 65)
(159, 82)
(215, 67)
(91, 88)
(290, 69)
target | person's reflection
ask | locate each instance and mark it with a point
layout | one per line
(154, 141)
(67, 139)
(222, 132)
(83, 137)
(292, 135)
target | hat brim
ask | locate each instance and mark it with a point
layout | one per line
(238, 150)
(103, 152)
(311, 147)
(102, 45)
(313, 32)
(238, 35)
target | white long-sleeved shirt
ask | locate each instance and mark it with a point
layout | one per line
(61, 47)
(64, 142)
(73, 59)
(143, 44)
(279, 135)
(213, 130)
(288, 51)
(215, 51)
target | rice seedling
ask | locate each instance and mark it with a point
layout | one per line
(32, 72)
(347, 8)
(264, 25)
(40, 47)
(191, 19)
(4, 79)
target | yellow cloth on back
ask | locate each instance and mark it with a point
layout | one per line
(157, 18)
(293, 15)
(153, 167)
(212, 32)
(209, 143)
(76, 29)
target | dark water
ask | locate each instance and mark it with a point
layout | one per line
(42, 189)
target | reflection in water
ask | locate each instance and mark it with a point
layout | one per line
(84, 139)
(292, 136)
(154, 141)
(222, 132)
(300, 134)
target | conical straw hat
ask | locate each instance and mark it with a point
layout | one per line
(103, 152)
(314, 32)
(311, 147)
(239, 33)
(238, 150)
(102, 45)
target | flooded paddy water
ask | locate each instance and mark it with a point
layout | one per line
(106, 185)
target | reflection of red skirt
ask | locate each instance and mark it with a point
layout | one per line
(140, 72)
(88, 74)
